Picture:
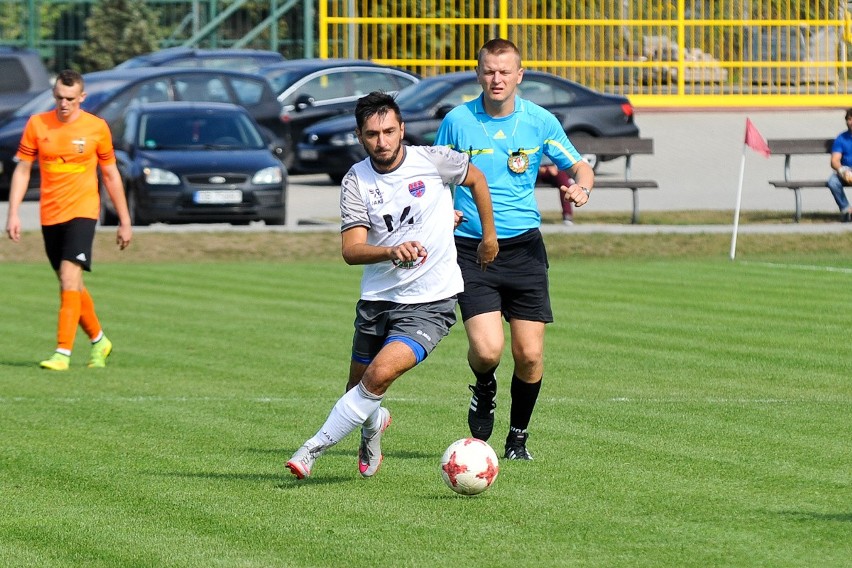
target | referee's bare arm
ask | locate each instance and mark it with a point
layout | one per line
(584, 181)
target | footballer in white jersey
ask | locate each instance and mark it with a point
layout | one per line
(397, 219)
(411, 202)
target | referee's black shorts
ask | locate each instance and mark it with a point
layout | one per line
(515, 284)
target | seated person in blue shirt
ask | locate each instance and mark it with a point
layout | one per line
(841, 163)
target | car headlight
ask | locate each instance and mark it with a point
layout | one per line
(268, 176)
(347, 139)
(157, 176)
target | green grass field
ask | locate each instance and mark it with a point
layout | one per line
(695, 412)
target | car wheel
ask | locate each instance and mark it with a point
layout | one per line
(136, 216)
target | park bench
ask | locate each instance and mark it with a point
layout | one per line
(790, 147)
(620, 147)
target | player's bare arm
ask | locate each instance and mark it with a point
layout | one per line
(356, 250)
(17, 190)
(488, 248)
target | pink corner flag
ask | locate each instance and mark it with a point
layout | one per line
(754, 140)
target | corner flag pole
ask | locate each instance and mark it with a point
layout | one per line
(737, 206)
(755, 141)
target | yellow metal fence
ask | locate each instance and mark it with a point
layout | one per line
(696, 53)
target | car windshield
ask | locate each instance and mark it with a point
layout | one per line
(96, 93)
(421, 96)
(199, 130)
(281, 79)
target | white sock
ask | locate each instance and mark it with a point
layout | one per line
(373, 422)
(350, 411)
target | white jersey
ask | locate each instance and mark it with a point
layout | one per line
(411, 203)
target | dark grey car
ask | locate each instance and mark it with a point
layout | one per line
(311, 90)
(195, 162)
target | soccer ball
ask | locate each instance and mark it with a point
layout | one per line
(469, 466)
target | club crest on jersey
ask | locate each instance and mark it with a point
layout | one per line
(417, 188)
(80, 144)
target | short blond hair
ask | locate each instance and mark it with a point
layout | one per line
(497, 46)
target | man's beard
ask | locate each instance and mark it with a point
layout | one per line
(386, 162)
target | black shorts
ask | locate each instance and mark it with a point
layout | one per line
(515, 284)
(71, 240)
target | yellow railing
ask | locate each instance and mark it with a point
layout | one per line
(701, 53)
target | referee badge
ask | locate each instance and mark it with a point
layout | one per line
(519, 161)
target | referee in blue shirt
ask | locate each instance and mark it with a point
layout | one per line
(506, 137)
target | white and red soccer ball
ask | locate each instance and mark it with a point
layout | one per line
(469, 466)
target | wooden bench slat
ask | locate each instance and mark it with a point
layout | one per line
(799, 183)
(617, 146)
(800, 145)
(626, 184)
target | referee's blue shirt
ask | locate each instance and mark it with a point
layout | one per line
(530, 130)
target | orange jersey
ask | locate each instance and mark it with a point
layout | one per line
(68, 155)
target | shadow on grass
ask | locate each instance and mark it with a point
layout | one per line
(812, 516)
(19, 364)
(396, 454)
(285, 479)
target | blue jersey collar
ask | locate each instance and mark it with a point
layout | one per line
(479, 106)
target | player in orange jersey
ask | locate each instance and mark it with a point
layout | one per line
(70, 144)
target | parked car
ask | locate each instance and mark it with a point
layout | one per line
(311, 90)
(331, 146)
(245, 60)
(22, 76)
(109, 93)
(195, 162)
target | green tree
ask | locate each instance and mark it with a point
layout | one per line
(116, 31)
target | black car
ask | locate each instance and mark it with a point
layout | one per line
(331, 147)
(195, 162)
(311, 90)
(109, 93)
(245, 60)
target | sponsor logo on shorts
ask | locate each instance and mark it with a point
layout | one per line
(424, 334)
(81, 257)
